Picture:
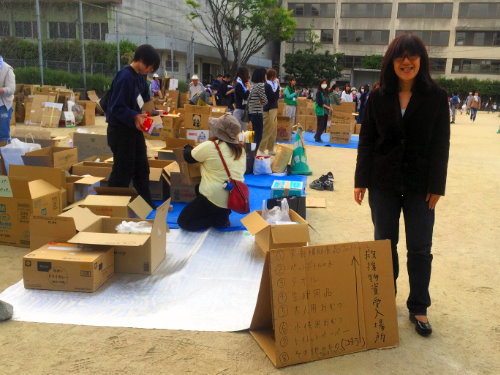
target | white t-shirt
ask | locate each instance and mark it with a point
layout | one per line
(213, 173)
(346, 98)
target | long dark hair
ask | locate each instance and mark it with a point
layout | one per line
(412, 46)
(243, 74)
(319, 86)
(236, 148)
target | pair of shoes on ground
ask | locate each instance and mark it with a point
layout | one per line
(325, 182)
(422, 328)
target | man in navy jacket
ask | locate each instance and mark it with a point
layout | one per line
(128, 94)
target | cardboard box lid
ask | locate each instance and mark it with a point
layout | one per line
(18, 187)
(82, 217)
(88, 180)
(110, 239)
(54, 176)
(254, 222)
(106, 200)
(138, 205)
(65, 251)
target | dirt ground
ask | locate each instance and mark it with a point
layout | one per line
(465, 312)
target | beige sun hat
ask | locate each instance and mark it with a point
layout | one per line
(226, 128)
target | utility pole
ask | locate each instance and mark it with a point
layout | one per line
(39, 32)
(82, 42)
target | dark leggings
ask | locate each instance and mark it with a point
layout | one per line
(130, 160)
(257, 120)
(322, 120)
(200, 214)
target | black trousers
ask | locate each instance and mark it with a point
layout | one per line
(130, 160)
(257, 120)
(386, 209)
(200, 214)
(321, 127)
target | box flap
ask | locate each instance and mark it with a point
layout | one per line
(89, 180)
(82, 217)
(291, 233)
(45, 229)
(254, 222)
(110, 239)
(55, 176)
(140, 207)
(39, 188)
(104, 190)
(172, 143)
(106, 200)
(155, 174)
(161, 215)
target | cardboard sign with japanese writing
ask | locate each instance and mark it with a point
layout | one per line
(322, 301)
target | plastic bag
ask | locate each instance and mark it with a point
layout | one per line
(13, 152)
(262, 165)
(78, 112)
(134, 227)
(278, 214)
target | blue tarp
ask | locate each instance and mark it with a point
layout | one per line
(309, 141)
(260, 189)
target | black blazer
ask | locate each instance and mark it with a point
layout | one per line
(407, 152)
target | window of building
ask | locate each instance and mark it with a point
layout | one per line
(62, 30)
(326, 36)
(4, 28)
(437, 65)
(300, 36)
(427, 10)
(430, 38)
(312, 10)
(364, 36)
(479, 10)
(168, 64)
(25, 29)
(476, 66)
(96, 31)
(478, 38)
(352, 62)
(382, 10)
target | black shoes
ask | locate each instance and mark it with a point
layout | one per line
(325, 182)
(423, 329)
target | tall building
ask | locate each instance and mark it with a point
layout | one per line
(462, 37)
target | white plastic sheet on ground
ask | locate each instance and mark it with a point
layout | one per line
(209, 281)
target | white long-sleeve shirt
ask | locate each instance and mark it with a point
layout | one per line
(346, 98)
(8, 84)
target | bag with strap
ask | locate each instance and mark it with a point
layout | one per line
(238, 196)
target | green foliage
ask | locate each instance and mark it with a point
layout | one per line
(263, 20)
(373, 62)
(183, 86)
(96, 82)
(309, 68)
(69, 51)
(463, 86)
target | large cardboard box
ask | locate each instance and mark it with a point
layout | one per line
(345, 107)
(89, 112)
(134, 253)
(190, 172)
(93, 168)
(269, 236)
(55, 157)
(284, 129)
(54, 176)
(51, 114)
(357, 129)
(341, 133)
(111, 201)
(68, 267)
(90, 144)
(78, 187)
(180, 191)
(196, 117)
(173, 97)
(34, 107)
(20, 199)
(323, 301)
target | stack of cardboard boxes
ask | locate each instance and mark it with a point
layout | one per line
(342, 123)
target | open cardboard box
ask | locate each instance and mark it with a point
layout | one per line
(158, 183)
(167, 153)
(68, 267)
(55, 157)
(93, 168)
(190, 172)
(78, 187)
(269, 236)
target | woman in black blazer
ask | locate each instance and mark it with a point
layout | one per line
(402, 161)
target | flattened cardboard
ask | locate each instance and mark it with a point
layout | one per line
(68, 267)
(322, 301)
(315, 202)
(269, 236)
(91, 145)
(54, 157)
(134, 253)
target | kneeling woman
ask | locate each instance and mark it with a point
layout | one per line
(209, 208)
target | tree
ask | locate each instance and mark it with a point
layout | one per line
(373, 62)
(309, 68)
(263, 20)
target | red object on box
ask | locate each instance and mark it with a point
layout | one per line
(147, 124)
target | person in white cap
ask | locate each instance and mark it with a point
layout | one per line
(195, 87)
(156, 85)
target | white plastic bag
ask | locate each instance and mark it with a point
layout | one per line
(13, 152)
(262, 165)
(278, 214)
(134, 227)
